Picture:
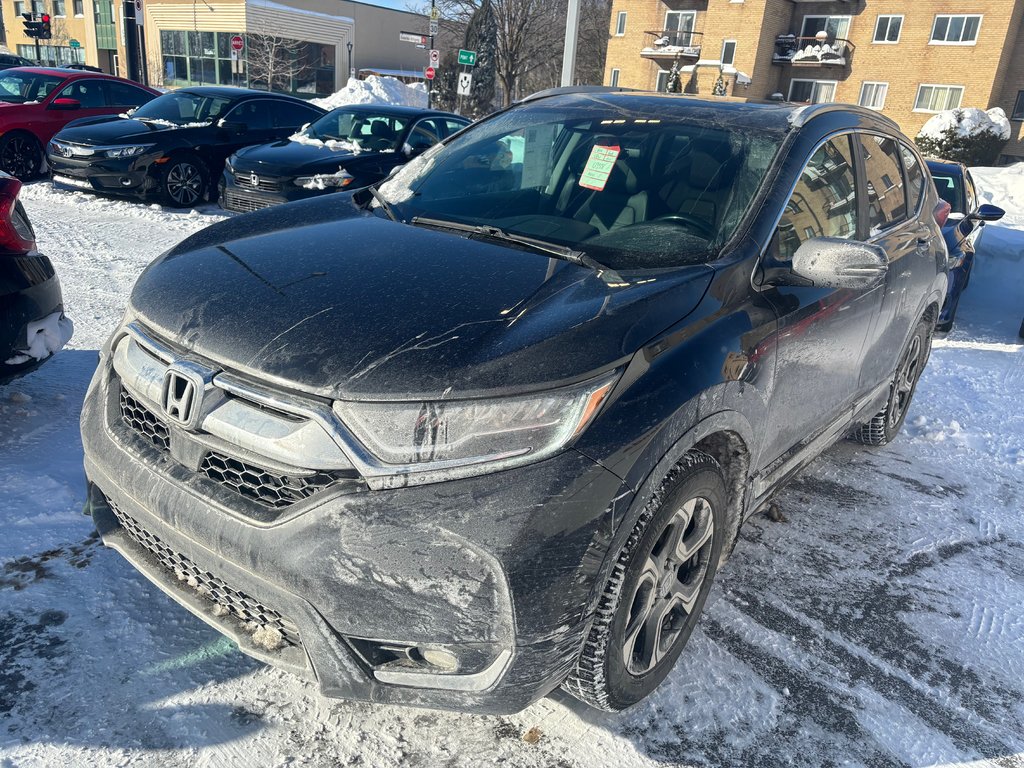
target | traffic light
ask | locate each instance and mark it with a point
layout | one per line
(32, 27)
(44, 27)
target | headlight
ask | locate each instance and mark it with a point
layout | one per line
(481, 435)
(129, 150)
(325, 180)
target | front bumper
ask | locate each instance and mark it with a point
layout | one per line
(112, 176)
(267, 191)
(498, 569)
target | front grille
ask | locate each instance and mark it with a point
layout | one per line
(144, 422)
(269, 629)
(243, 203)
(262, 485)
(263, 184)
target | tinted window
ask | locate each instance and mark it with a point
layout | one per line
(88, 92)
(824, 203)
(887, 202)
(257, 115)
(454, 126)
(425, 134)
(289, 115)
(949, 190)
(916, 179)
(124, 95)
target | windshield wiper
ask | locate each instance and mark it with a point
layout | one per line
(383, 202)
(564, 252)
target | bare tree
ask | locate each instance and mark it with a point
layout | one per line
(275, 62)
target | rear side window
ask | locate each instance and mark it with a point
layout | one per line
(288, 115)
(124, 95)
(454, 126)
(883, 169)
(824, 203)
(255, 114)
(916, 180)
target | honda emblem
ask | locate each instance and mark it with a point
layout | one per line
(254, 180)
(182, 397)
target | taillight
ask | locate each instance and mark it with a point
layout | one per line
(942, 211)
(16, 234)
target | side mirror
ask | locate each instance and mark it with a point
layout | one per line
(988, 213)
(827, 262)
(65, 104)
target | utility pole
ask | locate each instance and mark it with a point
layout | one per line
(572, 28)
(433, 28)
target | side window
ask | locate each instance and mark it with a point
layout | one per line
(454, 126)
(257, 115)
(971, 191)
(887, 201)
(916, 180)
(124, 95)
(824, 203)
(87, 92)
(425, 134)
(288, 115)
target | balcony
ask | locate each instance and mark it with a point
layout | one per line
(812, 51)
(672, 44)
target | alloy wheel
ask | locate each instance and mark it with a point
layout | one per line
(184, 183)
(19, 157)
(669, 585)
(906, 378)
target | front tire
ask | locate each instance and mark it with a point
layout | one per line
(886, 424)
(20, 155)
(657, 589)
(183, 182)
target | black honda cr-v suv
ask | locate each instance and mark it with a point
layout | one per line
(492, 427)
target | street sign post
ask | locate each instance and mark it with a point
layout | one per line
(74, 44)
(429, 73)
(435, 13)
(433, 27)
(435, 58)
(237, 43)
(467, 57)
(465, 83)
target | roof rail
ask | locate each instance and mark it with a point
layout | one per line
(806, 112)
(576, 89)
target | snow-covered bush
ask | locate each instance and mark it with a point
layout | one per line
(971, 136)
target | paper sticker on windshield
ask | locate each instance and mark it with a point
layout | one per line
(599, 167)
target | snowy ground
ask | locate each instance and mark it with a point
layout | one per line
(880, 624)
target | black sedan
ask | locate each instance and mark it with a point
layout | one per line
(173, 148)
(347, 148)
(8, 60)
(33, 325)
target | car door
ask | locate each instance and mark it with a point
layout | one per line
(90, 93)
(122, 97)
(822, 331)
(907, 240)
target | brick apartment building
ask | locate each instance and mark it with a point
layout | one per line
(908, 60)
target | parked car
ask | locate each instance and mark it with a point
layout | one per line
(8, 60)
(173, 148)
(962, 229)
(37, 102)
(33, 325)
(83, 67)
(492, 427)
(347, 148)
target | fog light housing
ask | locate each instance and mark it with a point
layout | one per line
(442, 659)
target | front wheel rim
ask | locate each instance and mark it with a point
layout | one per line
(906, 379)
(665, 598)
(184, 183)
(17, 157)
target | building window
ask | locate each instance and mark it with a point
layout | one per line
(53, 55)
(620, 24)
(956, 30)
(679, 27)
(58, 8)
(79, 8)
(19, 8)
(729, 52)
(813, 91)
(888, 28)
(37, 6)
(836, 27)
(872, 95)
(614, 82)
(938, 98)
(662, 81)
(1018, 108)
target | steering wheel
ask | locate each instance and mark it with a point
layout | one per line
(702, 226)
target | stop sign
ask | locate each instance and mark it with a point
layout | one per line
(429, 73)
(237, 43)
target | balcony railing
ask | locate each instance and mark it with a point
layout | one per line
(672, 44)
(813, 52)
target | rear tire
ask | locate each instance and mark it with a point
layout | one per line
(183, 183)
(886, 424)
(658, 585)
(20, 155)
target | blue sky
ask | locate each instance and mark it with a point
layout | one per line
(398, 4)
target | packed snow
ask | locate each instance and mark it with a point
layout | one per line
(880, 623)
(968, 122)
(376, 90)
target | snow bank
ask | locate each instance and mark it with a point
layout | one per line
(972, 122)
(376, 90)
(1003, 187)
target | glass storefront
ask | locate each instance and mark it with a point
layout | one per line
(278, 64)
(53, 55)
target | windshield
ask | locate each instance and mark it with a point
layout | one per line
(22, 87)
(371, 131)
(183, 108)
(630, 190)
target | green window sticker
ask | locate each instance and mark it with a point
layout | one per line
(599, 167)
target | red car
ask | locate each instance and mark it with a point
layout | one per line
(36, 102)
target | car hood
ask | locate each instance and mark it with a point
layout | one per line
(360, 307)
(113, 129)
(284, 158)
